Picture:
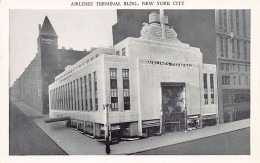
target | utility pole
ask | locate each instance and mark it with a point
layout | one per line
(106, 107)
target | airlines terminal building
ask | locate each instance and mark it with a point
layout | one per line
(154, 84)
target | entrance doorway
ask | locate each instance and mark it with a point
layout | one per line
(173, 107)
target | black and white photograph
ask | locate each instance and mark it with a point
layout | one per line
(148, 81)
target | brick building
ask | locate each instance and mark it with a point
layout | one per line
(32, 85)
(223, 37)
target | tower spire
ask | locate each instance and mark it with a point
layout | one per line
(47, 28)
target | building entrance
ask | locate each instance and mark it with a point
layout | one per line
(173, 107)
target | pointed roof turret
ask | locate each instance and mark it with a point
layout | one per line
(47, 28)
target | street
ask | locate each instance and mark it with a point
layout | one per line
(26, 138)
(231, 143)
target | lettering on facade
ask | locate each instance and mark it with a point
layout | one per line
(161, 63)
(72, 70)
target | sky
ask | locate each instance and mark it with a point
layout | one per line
(77, 29)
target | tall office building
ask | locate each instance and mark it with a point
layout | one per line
(223, 37)
(233, 61)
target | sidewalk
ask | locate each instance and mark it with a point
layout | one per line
(75, 143)
(26, 109)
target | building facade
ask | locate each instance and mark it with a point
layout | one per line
(32, 85)
(154, 84)
(233, 61)
(224, 39)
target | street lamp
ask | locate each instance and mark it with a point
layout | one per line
(106, 107)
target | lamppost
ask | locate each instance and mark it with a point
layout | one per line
(106, 107)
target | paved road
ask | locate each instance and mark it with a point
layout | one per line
(26, 138)
(231, 143)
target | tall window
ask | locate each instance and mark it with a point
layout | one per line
(238, 49)
(246, 80)
(81, 92)
(62, 97)
(205, 88)
(75, 94)
(231, 20)
(221, 47)
(239, 80)
(86, 93)
(90, 92)
(234, 79)
(238, 67)
(117, 53)
(244, 22)
(123, 52)
(212, 88)
(227, 66)
(71, 96)
(237, 21)
(225, 20)
(96, 93)
(245, 51)
(220, 19)
(233, 46)
(226, 47)
(225, 80)
(126, 89)
(68, 95)
(113, 87)
(78, 95)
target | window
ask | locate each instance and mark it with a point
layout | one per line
(231, 19)
(126, 89)
(245, 51)
(95, 89)
(239, 80)
(225, 20)
(92, 59)
(226, 47)
(75, 95)
(237, 21)
(205, 88)
(238, 49)
(86, 93)
(68, 97)
(71, 98)
(225, 80)
(221, 47)
(246, 80)
(123, 52)
(234, 79)
(227, 67)
(233, 46)
(244, 22)
(220, 19)
(78, 95)
(245, 68)
(117, 53)
(90, 92)
(212, 88)
(81, 92)
(238, 67)
(113, 87)
(234, 67)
